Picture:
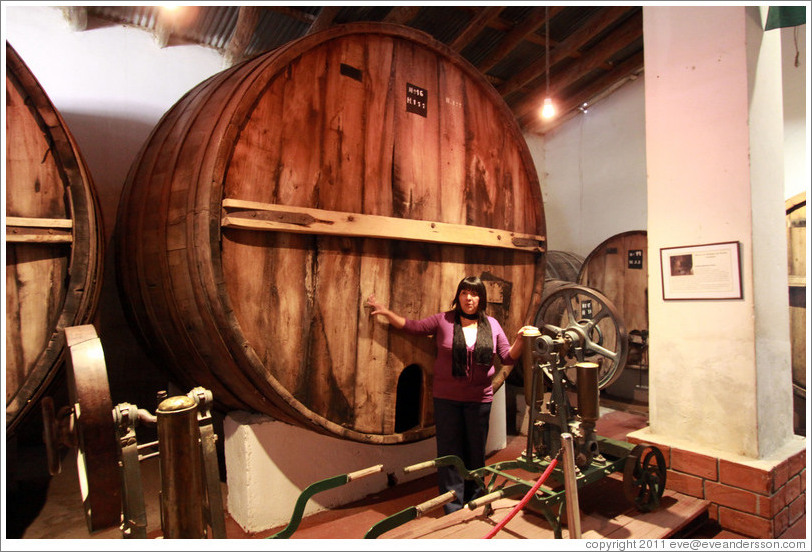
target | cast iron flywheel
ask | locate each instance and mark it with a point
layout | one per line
(592, 320)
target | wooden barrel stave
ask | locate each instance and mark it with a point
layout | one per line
(287, 145)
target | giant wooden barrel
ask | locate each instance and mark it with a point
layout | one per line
(277, 195)
(54, 239)
(796, 265)
(618, 268)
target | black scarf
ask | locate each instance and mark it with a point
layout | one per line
(483, 350)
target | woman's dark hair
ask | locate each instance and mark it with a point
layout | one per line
(472, 283)
(483, 349)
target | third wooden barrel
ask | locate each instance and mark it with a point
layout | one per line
(796, 265)
(276, 196)
(618, 268)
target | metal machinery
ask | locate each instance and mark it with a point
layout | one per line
(108, 455)
(580, 348)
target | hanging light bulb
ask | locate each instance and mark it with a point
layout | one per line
(548, 110)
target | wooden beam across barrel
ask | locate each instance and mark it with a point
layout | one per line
(277, 195)
(38, 230)
(301, 220)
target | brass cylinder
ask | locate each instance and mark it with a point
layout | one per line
(181, 470)
(529, 336)
(588, 407)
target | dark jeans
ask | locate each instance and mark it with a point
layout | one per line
(462, 430)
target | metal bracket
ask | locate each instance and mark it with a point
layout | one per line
(134, 519)
(211, 467)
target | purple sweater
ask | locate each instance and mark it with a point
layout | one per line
(475, 388)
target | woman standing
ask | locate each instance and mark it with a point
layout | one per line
(467, 339)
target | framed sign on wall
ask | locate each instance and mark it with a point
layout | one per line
(710, 271)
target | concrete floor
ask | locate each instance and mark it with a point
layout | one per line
(44, 507)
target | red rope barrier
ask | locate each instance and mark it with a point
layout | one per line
(524, 500)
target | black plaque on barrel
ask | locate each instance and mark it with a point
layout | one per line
(636, 258)
(416, 99)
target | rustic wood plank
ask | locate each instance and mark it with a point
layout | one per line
(676, 512)
(247, 21)
(268, 278)
(570, 47)
(14, 235)
(524, 30)
(38, 230)
(305, 220)
(479, 22)
(36, 222)
(375, 393)
(336, 378)
(416, 180)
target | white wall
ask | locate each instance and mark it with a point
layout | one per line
(593, 172)
(796, 160)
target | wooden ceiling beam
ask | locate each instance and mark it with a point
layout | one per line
(600, 88)
(324, 19)
(164, 26)
(515, 36)
(401, 15)
(566, 48)
(596, 58)
(599, 56)
(76, 16)
(247, 21)
(294, 14)
(472, 30)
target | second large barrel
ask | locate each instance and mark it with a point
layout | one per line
(274, 197)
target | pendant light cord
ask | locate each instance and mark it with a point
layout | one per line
(547, 45)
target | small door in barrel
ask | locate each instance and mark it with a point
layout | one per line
(276, 196)
(796, 258)
(54, 239)
(618, 268)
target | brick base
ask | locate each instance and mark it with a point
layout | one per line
(755, 502)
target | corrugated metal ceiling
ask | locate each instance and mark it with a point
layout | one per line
(593, 49)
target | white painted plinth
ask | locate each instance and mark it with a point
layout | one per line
(497, 428)
(269, 463)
